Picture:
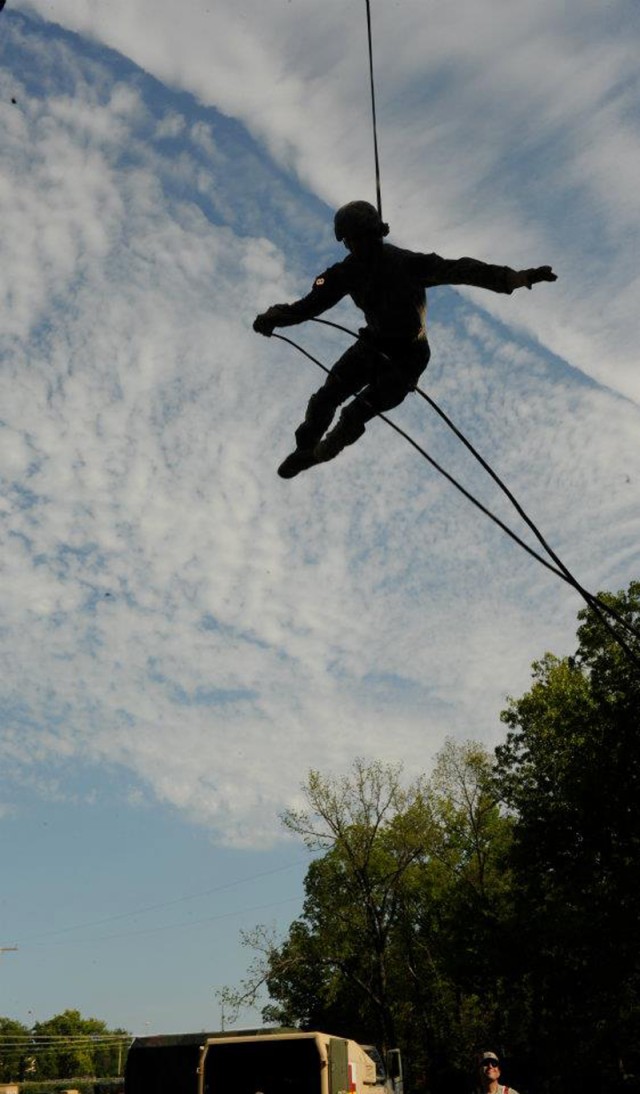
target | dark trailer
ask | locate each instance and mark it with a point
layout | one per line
(164, 1064)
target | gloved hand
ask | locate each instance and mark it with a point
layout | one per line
(539, 273)
(267, 320)
(262, 324)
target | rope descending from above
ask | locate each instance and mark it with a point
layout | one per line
(373, 112)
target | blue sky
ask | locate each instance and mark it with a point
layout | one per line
(182, 633)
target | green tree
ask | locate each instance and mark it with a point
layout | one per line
(69, 1046)
(374, 832)
(389, 946)
(15, 1040)
(371, 830)
(570, 771)
(463, 907)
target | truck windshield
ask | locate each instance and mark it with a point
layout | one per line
(373, 1052)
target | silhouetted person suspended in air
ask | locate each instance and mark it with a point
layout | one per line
(389, 285)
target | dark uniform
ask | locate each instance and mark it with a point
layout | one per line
(389, 286)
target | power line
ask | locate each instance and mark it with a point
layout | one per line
(169, 926)
(36, 1044)
(159, 906)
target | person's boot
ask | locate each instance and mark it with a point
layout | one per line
(299, 460)
(346, 432)
(319, 415)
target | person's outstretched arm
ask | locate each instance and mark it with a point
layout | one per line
(434, 270)
(327, 290)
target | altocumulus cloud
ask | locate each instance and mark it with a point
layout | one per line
(169, 606)
(509, 132)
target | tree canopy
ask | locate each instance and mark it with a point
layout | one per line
(570, 772)
(66, 1046)
(494, 903)
(403, 871)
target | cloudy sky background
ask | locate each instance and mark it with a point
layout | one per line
(182, 633)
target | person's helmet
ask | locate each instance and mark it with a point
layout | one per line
(359, 218)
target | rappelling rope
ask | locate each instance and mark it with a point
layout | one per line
(437, 466)
(593, 601)
(598, 606)
(373, 111)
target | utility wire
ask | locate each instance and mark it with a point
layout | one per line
(162, 905)
(35, 1041)
(185, 925)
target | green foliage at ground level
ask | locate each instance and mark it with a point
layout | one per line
(82, 1085)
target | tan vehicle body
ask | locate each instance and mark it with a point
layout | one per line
(341, 1066)
(263, 1061)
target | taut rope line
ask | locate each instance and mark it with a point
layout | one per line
(373, 111)
(598, 606)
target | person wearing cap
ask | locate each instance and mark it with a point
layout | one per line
(489, 1075)
(389, 286)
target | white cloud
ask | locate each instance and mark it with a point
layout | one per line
(169, 605)
(506, 131)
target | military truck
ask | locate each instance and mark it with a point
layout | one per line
(272, 1061)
